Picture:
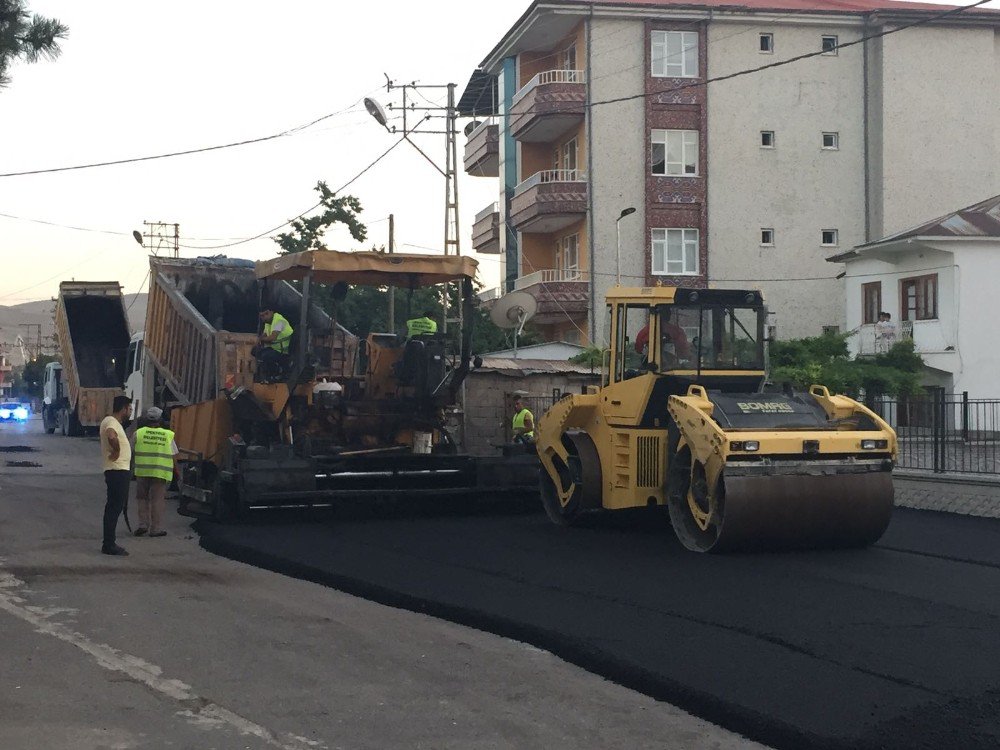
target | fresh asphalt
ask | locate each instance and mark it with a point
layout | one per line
(889, 647)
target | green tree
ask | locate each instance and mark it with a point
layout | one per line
(26, 36)
(307, 232)
(825, 360)
(29, 378)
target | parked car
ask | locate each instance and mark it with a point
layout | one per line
(13, 411)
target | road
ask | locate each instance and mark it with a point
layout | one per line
(890, 647)
(175, 647)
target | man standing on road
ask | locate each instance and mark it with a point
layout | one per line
(155, 465)
(524, 422)
(116, 454)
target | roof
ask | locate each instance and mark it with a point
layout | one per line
(979, 220)
(368, 268)
(480, 96)
(553, 18)
(522, 367)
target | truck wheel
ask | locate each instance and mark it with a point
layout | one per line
(47, 422)
(63, 422)
(74, 428)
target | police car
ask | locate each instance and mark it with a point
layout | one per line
(13, 411)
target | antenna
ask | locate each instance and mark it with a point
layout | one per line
(512, 311)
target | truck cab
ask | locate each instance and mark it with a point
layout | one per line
(138, 387)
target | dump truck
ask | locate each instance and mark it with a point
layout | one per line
(93, 332)
(201, 325)
(683, 420)
(333, 426)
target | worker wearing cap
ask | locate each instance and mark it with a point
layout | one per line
(423, 326)
(524, 422)
(155, 465)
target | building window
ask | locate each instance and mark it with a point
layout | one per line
(675, 54)
(871, 302)
(568, 257)
(565, 156)
(675, 252)
(829, 238)
(767, 139)
(828, 44)
(675, 153)
(831, 141)
(918, 298)
(567, 58)
(831, 330)
(767, 237)
(767, 43)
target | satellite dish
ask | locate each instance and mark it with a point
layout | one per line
(513, 311)
(377, 111)
(470, 127)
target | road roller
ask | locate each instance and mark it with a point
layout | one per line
(685, 419)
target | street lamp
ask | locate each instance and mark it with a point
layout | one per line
(618, 228)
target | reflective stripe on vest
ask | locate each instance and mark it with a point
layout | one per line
(420, 326)
(280, 344)
(154, 455)
(519, 422)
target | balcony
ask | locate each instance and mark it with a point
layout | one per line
(549, 201)
(560, 293)
(486, 230)
(548, 105)
(929, 341)
(482, 151)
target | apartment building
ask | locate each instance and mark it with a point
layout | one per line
(584, 110)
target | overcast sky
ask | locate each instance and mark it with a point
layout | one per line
(149, 77)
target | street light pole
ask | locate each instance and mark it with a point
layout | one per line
(618, 229)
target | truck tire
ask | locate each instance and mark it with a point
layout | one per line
(50, 427)
(73, 426)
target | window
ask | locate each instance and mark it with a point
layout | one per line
(568, 257)
(767, 43)
(918, 298)
(674, 54)
(567, 58)
(829, 45)
(767, 139)
(767, 237)
(675, 153)
(831, 330)
(831, 141)
(829, 237)
(565, 156)
(871, 302)
(675, 252)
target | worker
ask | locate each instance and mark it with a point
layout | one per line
(424, 326)
(674, 342)
(274, 343)
(155, 465)
(524, 422)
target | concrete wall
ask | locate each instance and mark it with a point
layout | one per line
(978, 367)
(796, 188)
(618, 143)
(940, 123)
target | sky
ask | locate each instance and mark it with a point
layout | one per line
(150, 77)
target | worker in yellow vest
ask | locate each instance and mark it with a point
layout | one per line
(274, 343)
(424, 326)
(524, 422)
(155, 465)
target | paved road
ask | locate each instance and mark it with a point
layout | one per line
(174, 647)
(891, 647)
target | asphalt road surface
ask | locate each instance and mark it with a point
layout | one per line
(889, 647)
(174, 647)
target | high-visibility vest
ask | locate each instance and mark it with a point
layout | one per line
(280, 344)
(519, 422)
(154, 455)
(420, 326)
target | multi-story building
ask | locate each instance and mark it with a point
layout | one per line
(6, 382)
(587, 109)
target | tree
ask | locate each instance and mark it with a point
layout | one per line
(307, 233)
(825, 360)
(25, 36)
(28, 379)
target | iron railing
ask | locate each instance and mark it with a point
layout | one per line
(549, 76)
(945, 432)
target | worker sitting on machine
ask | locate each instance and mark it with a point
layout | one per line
(272, 351)
(424, 326)
(674, 344)
(524, 422)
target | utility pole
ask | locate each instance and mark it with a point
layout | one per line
(392, 289)
(161, 235)
(33, 339)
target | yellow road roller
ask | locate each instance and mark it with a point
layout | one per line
(683, 419)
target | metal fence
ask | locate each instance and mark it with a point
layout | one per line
(945, 432)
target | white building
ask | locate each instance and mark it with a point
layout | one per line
(938, 282)
(589, 108)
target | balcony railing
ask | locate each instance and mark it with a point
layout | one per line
(551, 276)
(549, 76)
(880, 338)
(551, 175)
(488, 295)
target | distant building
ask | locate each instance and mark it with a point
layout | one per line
(6, 382)
(554, 351)
(938, 281)
(748, 182)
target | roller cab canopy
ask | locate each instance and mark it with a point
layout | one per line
(368, 268)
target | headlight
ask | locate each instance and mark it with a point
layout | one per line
(872, 445)
(748, 446)
(4, 414)
(21, 413)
